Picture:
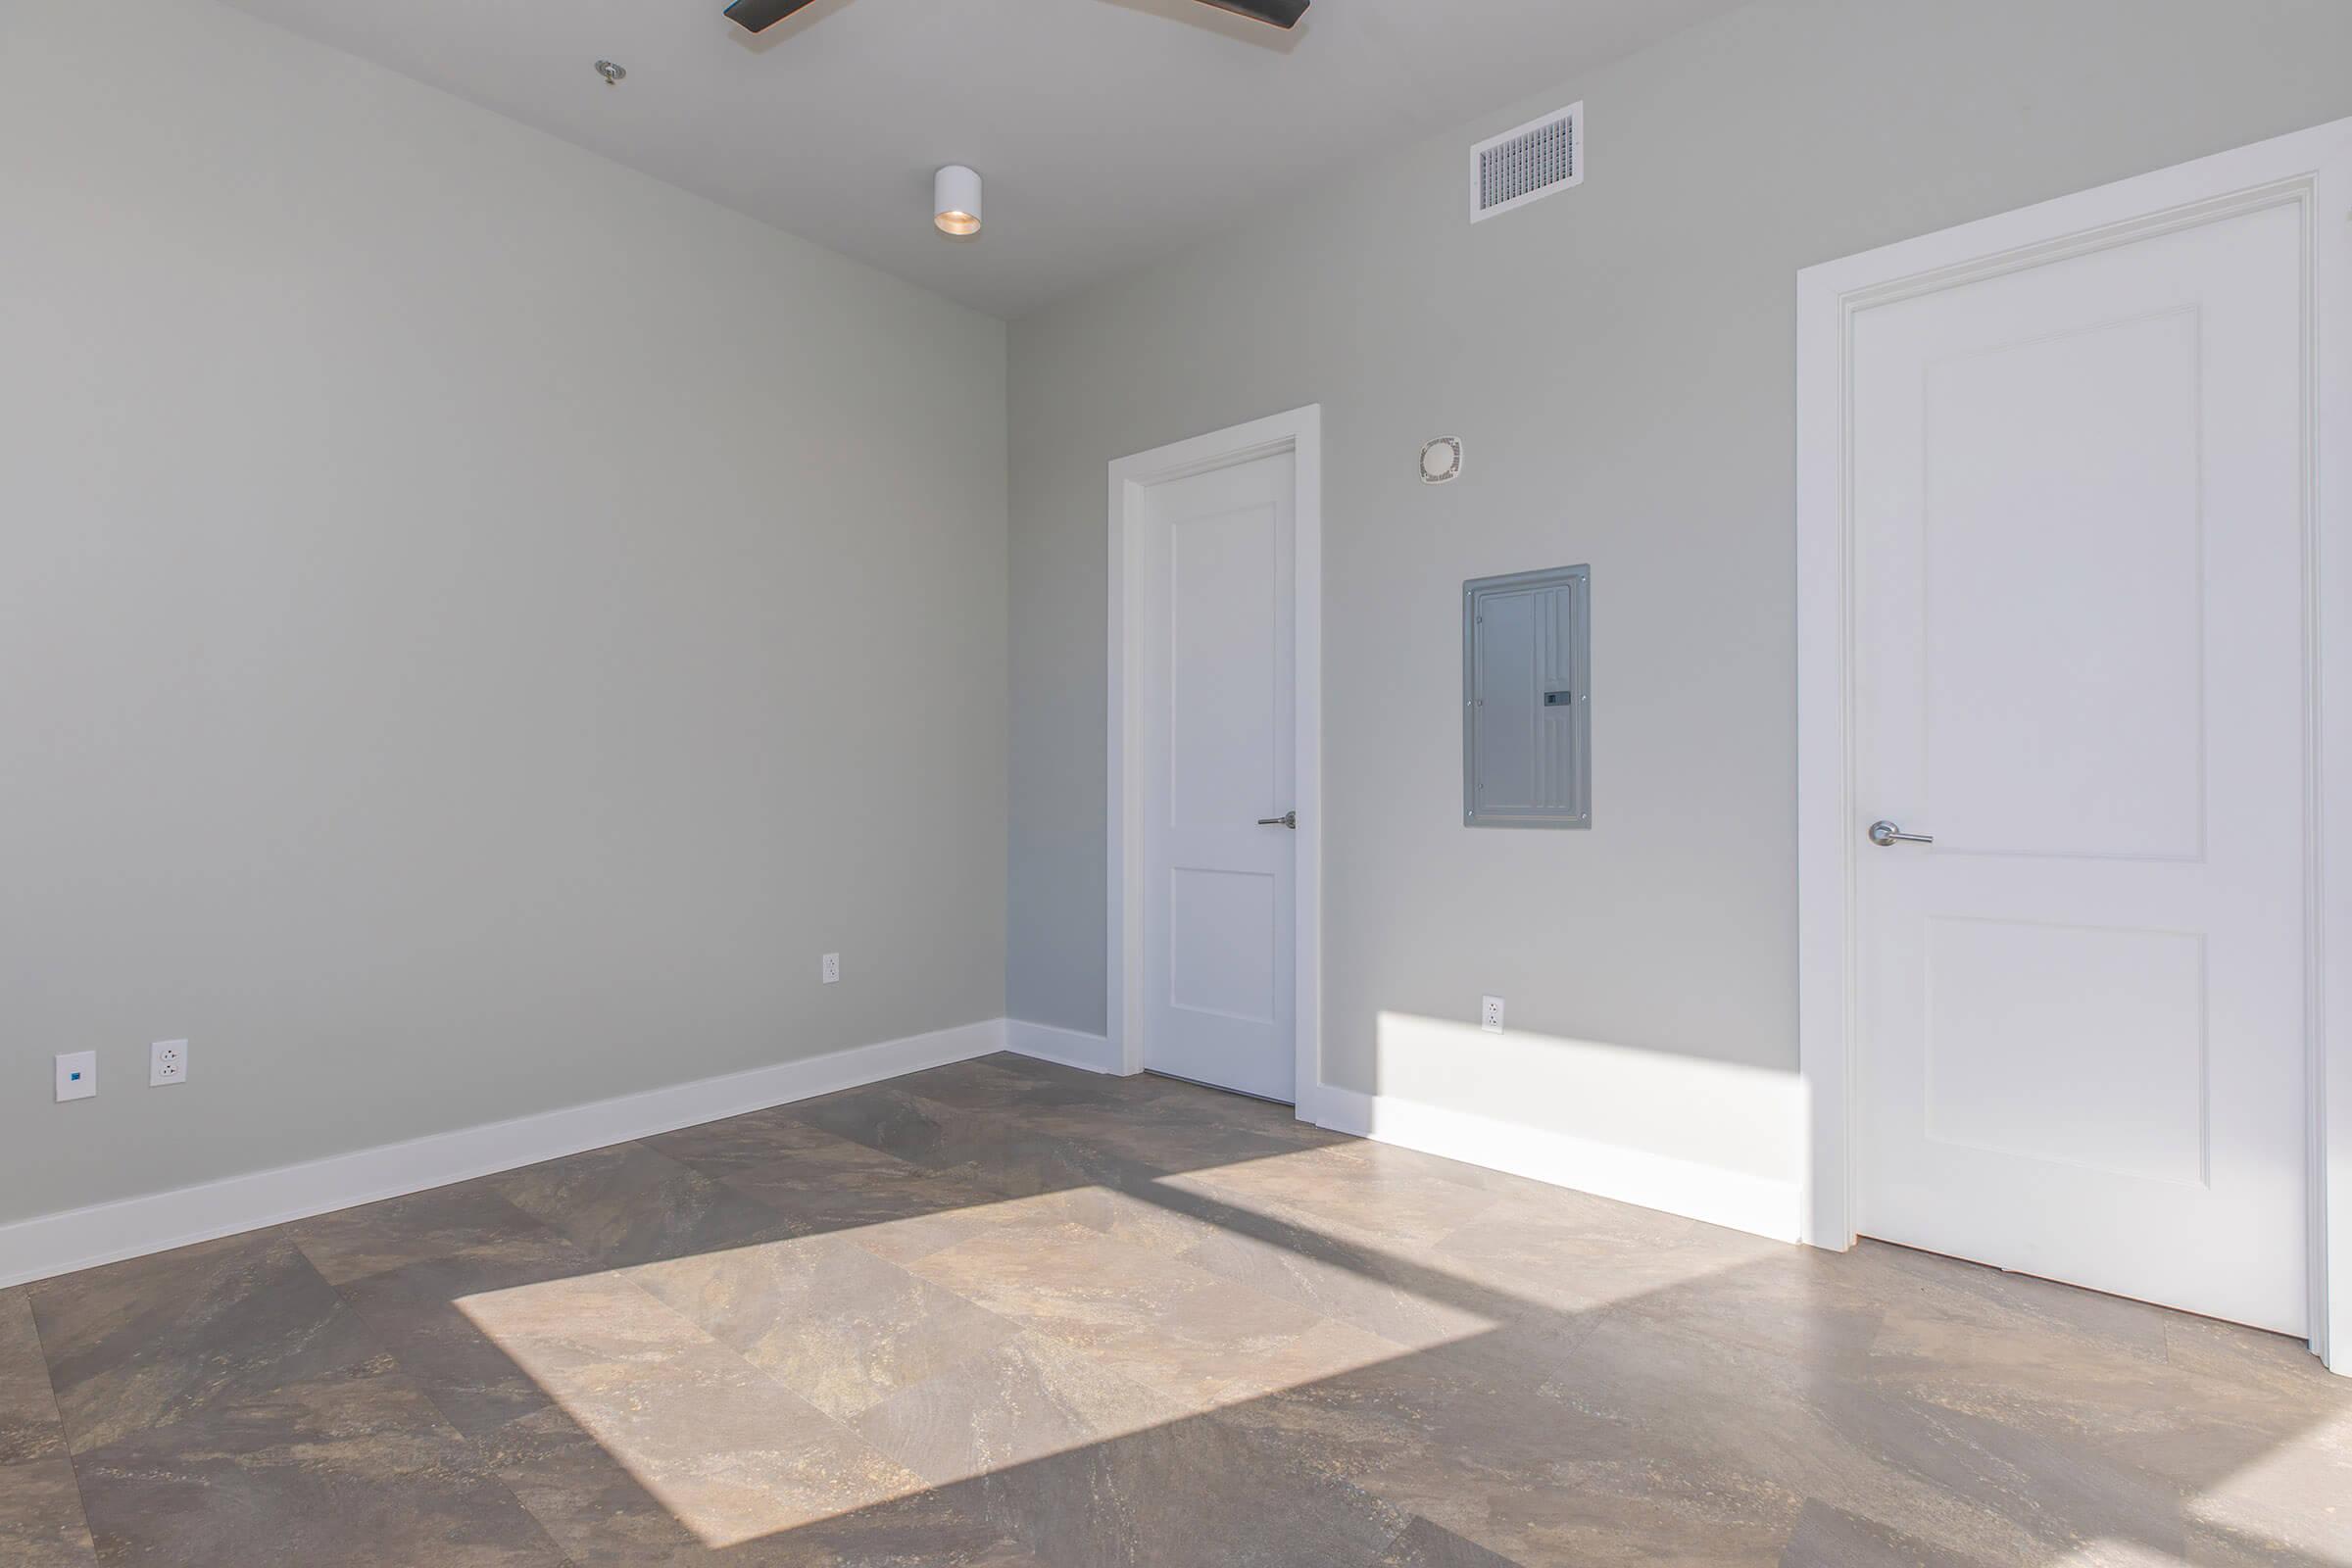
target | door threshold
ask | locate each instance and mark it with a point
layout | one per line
(1179, 1078)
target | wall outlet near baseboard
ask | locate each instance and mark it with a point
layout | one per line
(832, 967)
(166, 1062)
(76, 1075)
(1490, 1015)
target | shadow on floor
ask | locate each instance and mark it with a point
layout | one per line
(1005, 1313)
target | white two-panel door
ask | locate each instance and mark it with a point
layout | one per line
(1219, 885)
(2079, 667)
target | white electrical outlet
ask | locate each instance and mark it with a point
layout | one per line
(166, 1062)
(832, 967)
(1490, 1015)
(76, 1075)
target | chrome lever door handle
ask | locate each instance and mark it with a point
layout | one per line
(1288, 819)
(1886, 835)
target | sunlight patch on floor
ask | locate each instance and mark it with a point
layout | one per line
(758, 1388)
(2297, 1495)
(1471, 1236)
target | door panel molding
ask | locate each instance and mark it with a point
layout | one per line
(2311, 173)
(1298, 432)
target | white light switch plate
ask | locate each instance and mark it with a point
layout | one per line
(78, 1075)
(166, 1062)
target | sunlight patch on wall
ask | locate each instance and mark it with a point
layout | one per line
(1717, 1141)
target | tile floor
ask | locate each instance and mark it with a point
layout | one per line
(1007, 1315)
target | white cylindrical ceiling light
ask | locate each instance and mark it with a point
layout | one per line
(955, 201)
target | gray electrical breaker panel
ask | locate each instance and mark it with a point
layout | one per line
(1527, 699)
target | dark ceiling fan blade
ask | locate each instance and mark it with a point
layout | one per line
(1281, 12)
(758, 15)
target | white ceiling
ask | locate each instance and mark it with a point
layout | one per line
(1108, 131)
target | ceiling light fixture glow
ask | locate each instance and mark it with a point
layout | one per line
(955, 201)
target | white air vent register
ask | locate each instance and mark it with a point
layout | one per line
(1528, 164)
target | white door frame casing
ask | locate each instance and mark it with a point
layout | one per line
(1298, 432)
(2310, 169)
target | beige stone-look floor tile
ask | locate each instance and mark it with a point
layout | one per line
(1778, 1370)
(1171, 1136)
(1326, 1350)
(903, 1239)
(2122, 1390)
(1981, 1486)
(2264, 1447)
(417, 1312)
(464, 1219)
(592, 1506)
(1361, 1198)
(721, 1148)
(730, 1452)
(1006, 1155)
(1008, 1082)
(1005, 1314)
(847, 1188)
(1570, 1251)
(1619, 1508)
(628, 1204)
(30, 1425)
(1158, 1320)
(2067, 1387)
(1428, 1546)
(1200, 1492)
(1026, 1400)
(403, 1266)
(1401, 1300)
(1791, 1302)
(1558, 1440)
(833, 1322)
(886, 1117)
(1966, 1293)
(1148, 1216)
(1830, 1537)
(2262, 1441)
(1139, 1217)
(1036, 1269)
(147, 1343)
(1395, 1163)
(1811, 1427)
(732, 1457)
(348, 1467)
(589, 1323)
(41, 1525)
(225, 1405)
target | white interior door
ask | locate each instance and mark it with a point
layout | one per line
(1219, 895)
(2079, 667)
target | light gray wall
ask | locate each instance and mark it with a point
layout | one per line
(475, 624)
(1619, 360)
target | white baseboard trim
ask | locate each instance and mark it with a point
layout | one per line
(49, 1245)
(1069, 1047)
(1735, 1199)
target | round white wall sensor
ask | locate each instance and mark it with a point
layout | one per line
(1441, 460)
